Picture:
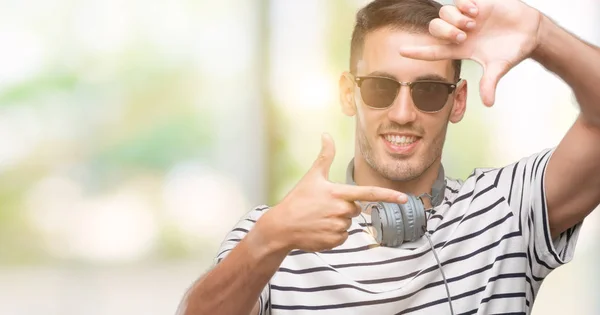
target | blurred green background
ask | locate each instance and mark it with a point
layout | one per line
(134, 134)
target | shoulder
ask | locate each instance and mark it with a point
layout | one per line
(503, 178)
(257, 212)
(536, 160)
(240, 230)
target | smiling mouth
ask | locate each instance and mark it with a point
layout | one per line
(400, 140)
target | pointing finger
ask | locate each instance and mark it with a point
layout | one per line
(323, 163)
(368, 193)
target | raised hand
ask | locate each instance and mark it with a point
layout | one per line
(317, 213)
(498, 34)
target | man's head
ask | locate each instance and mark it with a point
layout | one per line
(394, 137)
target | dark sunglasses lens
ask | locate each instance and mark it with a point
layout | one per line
(379, 92)
(430, 96)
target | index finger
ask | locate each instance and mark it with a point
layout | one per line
(430, 53)
(369, 193)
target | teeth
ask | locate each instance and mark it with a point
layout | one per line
(400, 140)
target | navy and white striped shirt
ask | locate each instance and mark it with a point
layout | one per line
(491, 235)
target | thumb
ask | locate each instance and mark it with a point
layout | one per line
(323, 162)
(489, 82)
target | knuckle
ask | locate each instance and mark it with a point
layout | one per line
(445, 11)
(463, 5)
(348, 224)
(348, 209)
(357, 209)
(340, 210)
(332, 211)
(435, 23)
(322, 156)
(334, 191)
(336, 225)
(433, 26)
(438, 28)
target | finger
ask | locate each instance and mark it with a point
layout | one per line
(467, 7)
(350, 209)
(368, 193)
(340, 225)
(344, 209)
(433, 52)
(347, 224)
(359, 208)
(489, 82)
(446, 31)
(453, 16)
(323, 162)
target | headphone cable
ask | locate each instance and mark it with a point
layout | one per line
(442, 272)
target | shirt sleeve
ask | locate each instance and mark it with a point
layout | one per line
(239, 231)
(524, 187)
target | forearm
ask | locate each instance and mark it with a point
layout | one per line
(234, 285)
(576, 62)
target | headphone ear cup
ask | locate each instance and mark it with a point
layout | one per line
(389, 224)
(414, 218)
(395, 224)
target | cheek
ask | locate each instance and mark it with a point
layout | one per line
(369, 120)
(435, 129)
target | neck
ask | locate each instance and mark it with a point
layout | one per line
(364, 175)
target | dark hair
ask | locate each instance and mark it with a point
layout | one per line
(407, 15)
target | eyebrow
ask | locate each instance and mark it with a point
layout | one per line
(430, 76)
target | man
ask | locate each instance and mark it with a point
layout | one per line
(497, 235)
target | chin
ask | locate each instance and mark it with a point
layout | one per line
(398, 168)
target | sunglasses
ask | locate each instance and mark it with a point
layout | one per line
(429, 96)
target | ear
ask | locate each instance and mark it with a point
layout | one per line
(460, 102)
(347, 94)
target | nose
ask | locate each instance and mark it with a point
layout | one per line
(403, 110)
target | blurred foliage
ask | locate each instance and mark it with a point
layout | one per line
(143, 118)
(20, 243)
(45, 84)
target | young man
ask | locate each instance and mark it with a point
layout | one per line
(494, 237)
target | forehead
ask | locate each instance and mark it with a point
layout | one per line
(380, 54)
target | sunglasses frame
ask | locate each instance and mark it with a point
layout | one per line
(358, 80)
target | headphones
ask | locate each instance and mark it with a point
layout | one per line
(394, 223)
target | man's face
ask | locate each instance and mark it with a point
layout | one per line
(400, 142)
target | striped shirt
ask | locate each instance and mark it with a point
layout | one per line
(491, 235)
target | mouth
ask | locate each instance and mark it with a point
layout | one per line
(400, 143)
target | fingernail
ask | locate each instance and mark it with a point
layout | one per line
(470, 24)
(473, 10)
(461, 37)
(402, 198)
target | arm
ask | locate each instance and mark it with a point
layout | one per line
(506, 32)
(234, 285)
(314, 216)
(573, 173)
